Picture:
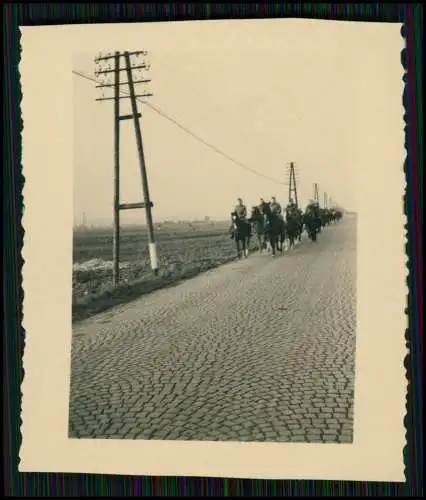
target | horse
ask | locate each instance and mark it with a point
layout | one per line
(300, 224)
(242, 234)
(257, 220)
(294, 228)
(275, 229)
(294, 222)
(312, 225)
(325, 216)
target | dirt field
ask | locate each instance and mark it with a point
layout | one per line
(183, 252)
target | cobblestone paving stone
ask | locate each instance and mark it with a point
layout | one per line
(257, 350)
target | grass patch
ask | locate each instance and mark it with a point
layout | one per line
(182, 255)
(109, 296)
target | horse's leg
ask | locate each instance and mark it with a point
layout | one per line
(279, 240)
(245, 246)
(259, 239)
(273, 241)
(238, 247)
(249, 237)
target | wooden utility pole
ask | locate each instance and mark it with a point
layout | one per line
(147, 203)
(116, 229)
(316, 195)
(292, 185)
(325, 201)
(145, 188)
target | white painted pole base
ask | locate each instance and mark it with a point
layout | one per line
(153, 256)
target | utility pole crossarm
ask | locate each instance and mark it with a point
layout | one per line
(121, 83)
(102, 73)
(148, 94)
(111, 55)
(112, 70)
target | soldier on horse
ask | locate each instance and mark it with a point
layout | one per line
(294, 222)
(312, 219)
(239, 212)
(258, 221)
(275, 226)
(275, 207)
(240, 228)
(291, 208)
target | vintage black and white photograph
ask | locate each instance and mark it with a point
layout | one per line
(214, 246)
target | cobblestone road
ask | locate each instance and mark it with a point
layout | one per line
(258, 350)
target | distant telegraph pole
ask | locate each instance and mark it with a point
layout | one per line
(292, 185)
(325, 201)
(316, 195)
(129, 68)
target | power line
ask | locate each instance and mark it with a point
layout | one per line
(188, 131)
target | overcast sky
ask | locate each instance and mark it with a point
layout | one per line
(263, 108)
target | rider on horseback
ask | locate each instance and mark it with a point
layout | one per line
(275, 206)
(313, 213)
(313, 208)
(291, 209)
(240, 211)
(262, 205)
